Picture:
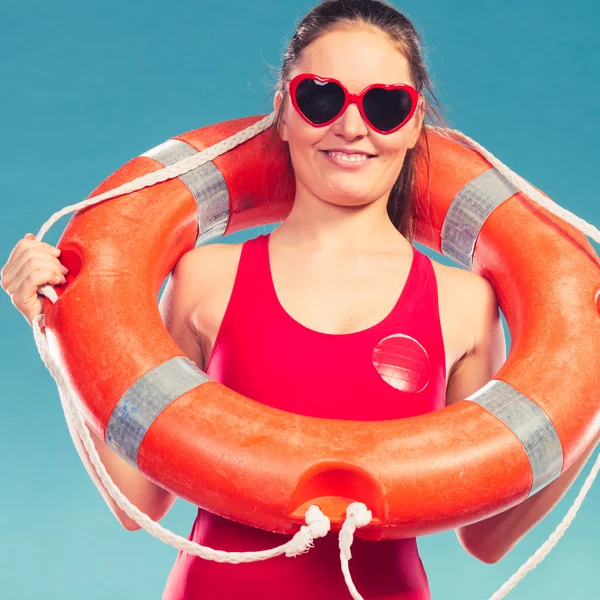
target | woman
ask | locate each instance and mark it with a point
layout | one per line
(295, 318)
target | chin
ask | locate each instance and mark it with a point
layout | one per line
(347, 198)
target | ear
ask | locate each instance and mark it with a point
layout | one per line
(418, 124)
(282, 125)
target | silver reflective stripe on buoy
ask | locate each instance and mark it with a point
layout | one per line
(468, 212)
(530, 424)
(207, 185)
(146, 399)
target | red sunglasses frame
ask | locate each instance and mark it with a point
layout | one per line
(353, 99)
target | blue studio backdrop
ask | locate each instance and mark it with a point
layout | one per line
(88, 85)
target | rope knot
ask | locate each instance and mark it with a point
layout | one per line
(317, 525)
(357, 515)
(317, 521)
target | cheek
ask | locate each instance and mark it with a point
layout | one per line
(303, 135)
(395, 143)
(393, 149)
(390, 167)
(299, 132)
(303, 139)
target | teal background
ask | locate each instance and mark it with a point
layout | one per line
(86, 86)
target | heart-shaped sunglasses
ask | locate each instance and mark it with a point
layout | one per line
(321, 100)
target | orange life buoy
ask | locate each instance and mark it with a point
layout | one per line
(264, 467)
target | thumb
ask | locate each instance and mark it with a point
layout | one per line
(29, 236)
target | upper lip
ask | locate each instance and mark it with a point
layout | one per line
(348, 151)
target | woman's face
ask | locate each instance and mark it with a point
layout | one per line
(357, 58)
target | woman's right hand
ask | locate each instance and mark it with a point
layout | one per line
(31, 265)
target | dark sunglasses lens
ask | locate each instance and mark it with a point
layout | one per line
(319, 102)
(386, 109)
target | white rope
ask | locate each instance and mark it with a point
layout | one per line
(357, 515)
(317, 524)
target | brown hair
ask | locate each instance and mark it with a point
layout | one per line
(380, 15)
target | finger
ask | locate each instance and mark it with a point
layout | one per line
(42, 246)
(27, 282)
(31, 259)
(23, 246)
(29, 241)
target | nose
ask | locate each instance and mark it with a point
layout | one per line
(350, 124)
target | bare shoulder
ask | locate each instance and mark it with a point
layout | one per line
(468, 305)
(209, 256)
(207, 275)
(212, 262)
(467, 286)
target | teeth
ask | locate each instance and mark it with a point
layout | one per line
(349, 157)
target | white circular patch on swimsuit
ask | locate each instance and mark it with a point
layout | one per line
(402, 363)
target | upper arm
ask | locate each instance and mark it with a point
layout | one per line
(487, 352)
(177, 304)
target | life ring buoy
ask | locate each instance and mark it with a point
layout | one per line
(264, 467)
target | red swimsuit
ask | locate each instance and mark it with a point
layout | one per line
(392, 370)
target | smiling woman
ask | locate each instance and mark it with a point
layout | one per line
(336, 281)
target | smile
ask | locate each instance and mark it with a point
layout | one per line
(346, 159)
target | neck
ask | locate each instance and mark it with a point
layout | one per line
(314, 224)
